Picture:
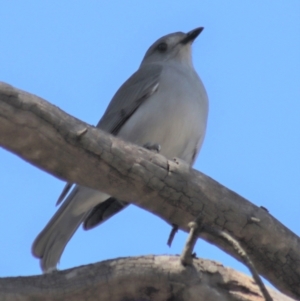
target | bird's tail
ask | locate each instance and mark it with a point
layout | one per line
(51, 242)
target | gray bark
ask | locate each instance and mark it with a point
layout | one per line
(45, 136)
(155, 278)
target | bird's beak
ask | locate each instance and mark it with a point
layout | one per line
(191, 35)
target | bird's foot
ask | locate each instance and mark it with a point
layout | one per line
(155, 147)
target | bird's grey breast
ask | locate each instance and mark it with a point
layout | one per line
(174, 116)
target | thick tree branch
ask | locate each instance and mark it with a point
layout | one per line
(155, 278)
(69, 149)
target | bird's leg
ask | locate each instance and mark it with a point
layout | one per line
(153, 147)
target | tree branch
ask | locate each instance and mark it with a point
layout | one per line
(154, 278)
(70, 149)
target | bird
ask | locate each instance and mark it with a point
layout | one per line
(162, 106)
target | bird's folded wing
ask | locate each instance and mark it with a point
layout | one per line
(136, 90)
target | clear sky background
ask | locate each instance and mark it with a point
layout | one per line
(76, 54)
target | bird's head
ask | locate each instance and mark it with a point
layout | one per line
(175, 47)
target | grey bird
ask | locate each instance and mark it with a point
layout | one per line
(163, 104)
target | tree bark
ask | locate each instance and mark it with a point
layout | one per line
(155, 278)
(70, 149)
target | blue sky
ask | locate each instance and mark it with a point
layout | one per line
(76, 54)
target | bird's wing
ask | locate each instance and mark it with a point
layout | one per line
(136, 90)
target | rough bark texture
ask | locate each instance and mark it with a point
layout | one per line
(155, 278)
(50, 139)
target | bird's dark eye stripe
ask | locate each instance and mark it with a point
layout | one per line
(162, 47)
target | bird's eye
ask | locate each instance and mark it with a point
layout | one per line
(162, 47)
